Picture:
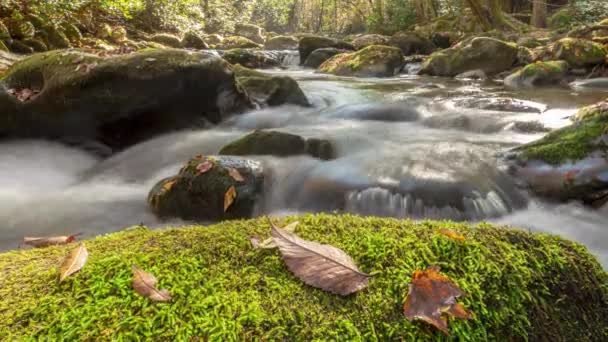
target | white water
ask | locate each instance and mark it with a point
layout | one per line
(407, 147)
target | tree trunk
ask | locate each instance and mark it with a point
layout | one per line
(425, 10)
(480, 14)
(539, 13)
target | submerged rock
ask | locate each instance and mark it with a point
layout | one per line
(538, 74)
(278, 144)
(372, 61)
(282, 43)
(250, 31)
(250, 58)
(487, 54)
(268, 89)
(117, 101)
(317, 57)
(412, 43)
(308, 44)
(600, 83)
(198, 192)
(579, 52)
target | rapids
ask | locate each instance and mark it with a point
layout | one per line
(408, 146)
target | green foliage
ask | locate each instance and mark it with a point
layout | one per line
(519, 286)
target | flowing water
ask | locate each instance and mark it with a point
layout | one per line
(407, 146)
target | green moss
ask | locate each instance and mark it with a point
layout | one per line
(167, 40)
(520, 286)
(541, 68)
(562, 19)
(579, 52)
(374, 60)
(234, 42)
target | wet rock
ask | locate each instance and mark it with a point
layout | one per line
(394, 112)
(167, 40)
(529, 127)
(412, 43)
(236, 42)
(270, 90)
(487, 54)
(600, 83)
(369, 39)
(502, 104)
(249, 31)
(117, 101)
(372, 61)
(200, 196)
(538, 74)
(251, 58)
(317, 57)
(308, 44)
(282, 43)
(193, 40)
(579, 52)
(472, 75)
(278, 144)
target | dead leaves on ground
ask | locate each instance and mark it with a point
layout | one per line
(144, 283)
(40, 242)
(431, 297)
(74, 262)
(229, 197)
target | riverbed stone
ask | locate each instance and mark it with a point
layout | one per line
(282, 43)
(579, 52)
(250, 58)
(308, 44)
(372, 61)
(198, 192)
(317, 57)
(538, 74)
(412, 43)
(487, 54)
(270, 90)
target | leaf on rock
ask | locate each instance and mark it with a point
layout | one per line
(204, 167)
(322, 266)
(229, 197)
(269, 243)
(144, 283)
(431, 297)
(236, 175)
(451, 234)
(39, 242)
(74, 262)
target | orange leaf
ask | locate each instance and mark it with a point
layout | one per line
(236, 175)
(74, 262)
(229, 197)
(432, 295)
(204, 167)
(451, 234)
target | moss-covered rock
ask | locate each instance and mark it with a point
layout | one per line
(72, 33)
(237, 42)
(520, 286)
(18, 46)
(372, 61)
(279, 144)
(525, 56)
(119, 100)
(538, 74)
(167, 40)
(310, 43)
(20, 29)
(196, 195)
(250, 31)
(104, 31)
(55, 37)
(250, 58)
(579, 52)
(487, 54)
(193, 40)
(412, 43)
(36, 44)
(317, 57)
(282, 43)
(270, 90)
(369, 39)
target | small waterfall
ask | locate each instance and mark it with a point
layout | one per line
(291, 59)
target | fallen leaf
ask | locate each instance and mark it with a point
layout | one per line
(144, 283)
(167, 186)
(236, 175)
(24, 94)
(229, 197)
(322, 266)
(431, 296)
(255, 242)
(74, 262)
(451, 234)
(269, 243)
(39, 242)
(204, 167)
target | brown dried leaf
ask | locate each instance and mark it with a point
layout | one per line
(322, 266)
(229, 197)
(269, 243)
(144, 283)
(39, 242)
(236, 175)
(74, 262)
(451, 234)
(431, 296)
(24, 94)
(204, 167)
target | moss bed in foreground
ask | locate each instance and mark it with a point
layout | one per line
(519, 285)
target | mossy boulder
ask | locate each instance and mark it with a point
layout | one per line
(538, 74)
(72, 33)
(237, 42)
(282, 43)
(270, 90)
(119, 100)
(167, 40)
(278, 144)
(487, 54)
(250, 58)
(36, 44)
(412, 43)
(55, 37)
(520, 286)
(372, 61)
(193, 40)
(317, 57)
(369, 39)
(308, 44)
(200, 196)
(250, 31)
(20, 29)
(579, 52)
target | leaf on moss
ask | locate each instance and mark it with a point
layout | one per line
(236, 175)
(229, 197)
(74, 262)
(144, 283)
(39, 242)
(322, 266)
(204, 167)
(431, 297)
(451, 234)
(269, 243)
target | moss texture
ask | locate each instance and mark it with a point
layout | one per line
(519, 286)
(579, 52)
(237, 42)
(372, 61)
(167, 40)
(281, 43)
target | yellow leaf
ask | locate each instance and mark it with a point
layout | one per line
(229, 198)
(451, 234)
